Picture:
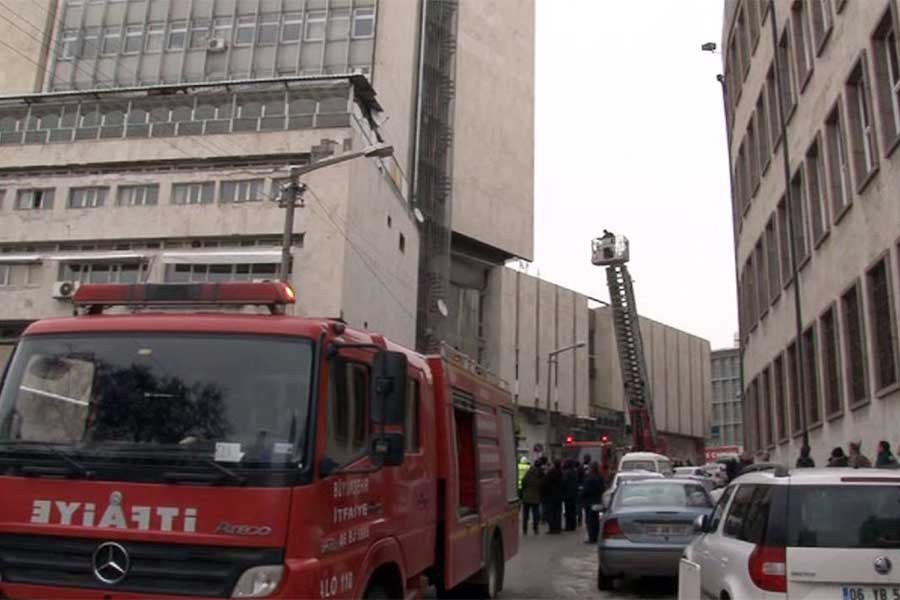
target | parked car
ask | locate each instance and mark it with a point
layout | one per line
(646, 528)
(627, 476)
(645, 461)
(808, 533)
(696, 474)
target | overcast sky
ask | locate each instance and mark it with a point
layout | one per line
(629, 136)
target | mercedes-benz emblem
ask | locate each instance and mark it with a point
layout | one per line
(883, 565)
(111, 563)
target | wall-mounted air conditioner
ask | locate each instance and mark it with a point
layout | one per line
(216, 45)
(64, 290)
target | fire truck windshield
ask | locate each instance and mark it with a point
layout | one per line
(240, 401)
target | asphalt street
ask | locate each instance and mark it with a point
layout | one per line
(563, 566)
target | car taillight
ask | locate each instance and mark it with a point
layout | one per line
(611, 529)
(768, 568)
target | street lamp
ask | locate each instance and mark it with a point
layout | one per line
(551, 358)
(294, 191)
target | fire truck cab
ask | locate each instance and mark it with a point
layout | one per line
(164, 452)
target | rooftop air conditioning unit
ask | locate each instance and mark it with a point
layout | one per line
(216, 45)
(64, 290)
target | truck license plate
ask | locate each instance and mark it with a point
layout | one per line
(867, 592)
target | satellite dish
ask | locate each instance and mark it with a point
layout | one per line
(442, 307)
(418, 215)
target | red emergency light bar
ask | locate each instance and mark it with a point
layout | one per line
(94, 297)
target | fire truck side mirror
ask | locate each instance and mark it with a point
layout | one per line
(388, 399)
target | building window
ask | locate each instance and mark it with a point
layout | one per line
(831, 363)
(762, 131)
(402, 243)
(750, 305)
(134, 39)
(177, 35)
(247, 190)
(802, 42)
(193, 193)
(218, 273)
(291, 27)
(753, 161)
(778, 389)
(103, 272)
(68, 45)
(798, 216)
(811, 373)
(762, 278)
(855, 345)
(138, 195)
(34, 199)
(246, 31)
(315, 26)
(753, 19)
(156, 33)
(795, 387)
(91, 43)
(87, 197)
(838, 163)
(765, 410)
(200, 33)
(112, 41)
(268, 30)
(743, 42)
(862, 132)
(822, 22)
(772, 259)
(787, 79)
(772, 102)
(887, 71)
(364, 23)
(883, 326)
(17, 275)
(815, 192)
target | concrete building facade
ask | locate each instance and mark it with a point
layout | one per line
(727, 417)
(814, 123)
(527, 318)
(138, 132)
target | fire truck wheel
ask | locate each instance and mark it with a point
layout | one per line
(491, 578)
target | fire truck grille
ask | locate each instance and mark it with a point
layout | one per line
(174, 569)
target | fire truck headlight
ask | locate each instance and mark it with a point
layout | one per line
(258, 582)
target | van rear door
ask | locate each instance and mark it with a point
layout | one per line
(844, 539)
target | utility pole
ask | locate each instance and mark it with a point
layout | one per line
(291, 198)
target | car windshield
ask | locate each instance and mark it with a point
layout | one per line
(232, 398)
(670, 494)
(844, 516)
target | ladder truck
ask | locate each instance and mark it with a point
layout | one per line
(612, 251)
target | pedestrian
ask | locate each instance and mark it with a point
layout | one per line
(805, 461)
(885, 458)
(857, 459)
(553, 495)
(570, 493)
(591, 499)
(838, 458)
(532, 482)
(732, 468)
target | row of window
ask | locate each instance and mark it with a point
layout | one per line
(823, 186)
(217, 33)
(844, 156)
(855, 336)
(148, 244)
(198, 115)
(201, 192)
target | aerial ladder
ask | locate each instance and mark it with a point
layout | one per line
(612, 251)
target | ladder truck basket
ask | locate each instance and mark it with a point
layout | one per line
(609, 250)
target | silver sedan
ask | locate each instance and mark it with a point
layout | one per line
(647, 527)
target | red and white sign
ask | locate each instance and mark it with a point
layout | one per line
(715, 452)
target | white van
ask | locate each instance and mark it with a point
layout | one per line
(645, 461)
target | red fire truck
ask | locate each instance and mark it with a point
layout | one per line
(168, 452)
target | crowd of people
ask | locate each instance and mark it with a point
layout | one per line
(853, 458)
(562, 495)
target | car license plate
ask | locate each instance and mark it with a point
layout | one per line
(868, 592)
